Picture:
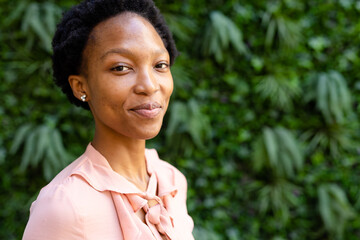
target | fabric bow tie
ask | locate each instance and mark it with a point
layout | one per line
(155, 213)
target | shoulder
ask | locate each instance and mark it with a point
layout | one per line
(179, 177)
(60, 191)
(62, 209)
(167, 172)
(72, 209)
(54, 210)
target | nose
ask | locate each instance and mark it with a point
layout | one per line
(146, 83)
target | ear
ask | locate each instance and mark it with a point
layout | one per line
(79, 86)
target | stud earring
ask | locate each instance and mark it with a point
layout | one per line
(83, 97)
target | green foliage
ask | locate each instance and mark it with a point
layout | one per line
(334, 208)
(334, 138)
(279, 197)
(42, 144)
(38, 20)
(278, 151)
(329, 91)
(277, 155)
(219, 34)
(188, 126)
(280, 28)
(279, 90)
(263, 121)
(201, 233)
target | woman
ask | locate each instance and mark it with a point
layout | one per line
(113, 57)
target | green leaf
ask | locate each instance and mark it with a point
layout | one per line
(291, 147)
(221, 33)
(20, 136)
(43, 140)
(271, 146)
(333, 98)
(53, 159)
(16, 13)
(334, 208)
(30, 145)
(32, 22)
(276, 150)
(270, 33)
(58, 147)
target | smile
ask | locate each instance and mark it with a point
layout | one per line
(147, 110)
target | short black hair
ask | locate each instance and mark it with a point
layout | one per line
(72, 35)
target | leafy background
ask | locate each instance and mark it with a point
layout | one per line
(263, 121)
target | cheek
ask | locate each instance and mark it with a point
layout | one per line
(169, 86)
(168, 89)
(111, 103)
(108, 95)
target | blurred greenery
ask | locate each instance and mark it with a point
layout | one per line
(264, 119)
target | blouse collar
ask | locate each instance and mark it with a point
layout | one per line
(96, 170)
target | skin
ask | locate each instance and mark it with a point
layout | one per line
(127, 65)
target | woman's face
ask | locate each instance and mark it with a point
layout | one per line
(128, 78)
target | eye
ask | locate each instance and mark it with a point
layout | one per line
(162, 65)
(120, 68)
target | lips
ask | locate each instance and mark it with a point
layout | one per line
(147, 110)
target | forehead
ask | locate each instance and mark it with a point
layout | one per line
(127, 30)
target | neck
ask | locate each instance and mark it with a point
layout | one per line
(126, 156)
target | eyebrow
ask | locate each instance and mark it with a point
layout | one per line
(123, 51)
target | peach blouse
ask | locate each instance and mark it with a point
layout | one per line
(88, 200)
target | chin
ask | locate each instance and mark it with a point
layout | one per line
(146, 134)
(151, 135)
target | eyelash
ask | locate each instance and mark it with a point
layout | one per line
(117, 68)
(162, 64)
(122, 68)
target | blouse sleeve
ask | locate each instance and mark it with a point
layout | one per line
(53, 216)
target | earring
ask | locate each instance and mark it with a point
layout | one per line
(83, 97)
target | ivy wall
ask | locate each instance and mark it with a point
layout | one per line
(263, 120)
